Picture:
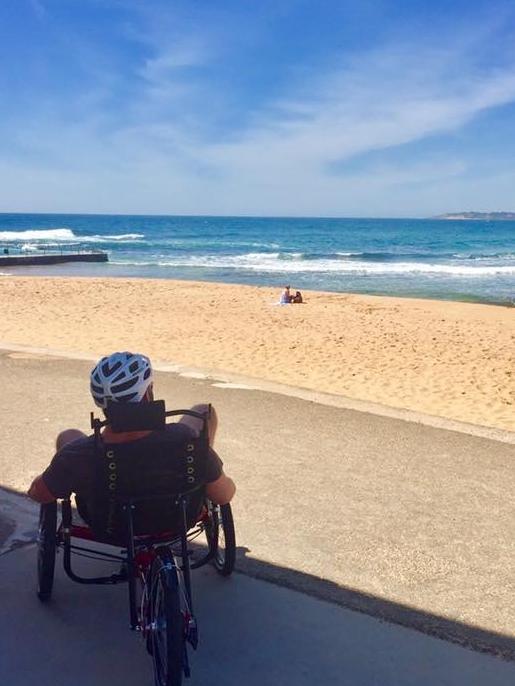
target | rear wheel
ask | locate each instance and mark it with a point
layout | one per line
(46, 549)
(221, 537)
(167, 622)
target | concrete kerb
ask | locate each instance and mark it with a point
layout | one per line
(221, 379)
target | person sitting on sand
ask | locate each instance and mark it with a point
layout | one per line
(122, 377)
(285, 298)
(297, 298)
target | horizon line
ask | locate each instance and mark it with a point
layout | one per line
(250, 216)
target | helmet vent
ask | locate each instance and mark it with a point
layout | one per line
(119, 388)
(108, 371)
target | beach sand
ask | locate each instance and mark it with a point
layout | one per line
(449, 359)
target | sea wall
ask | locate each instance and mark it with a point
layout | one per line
(28, 260)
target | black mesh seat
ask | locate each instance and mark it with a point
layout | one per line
(148, 476)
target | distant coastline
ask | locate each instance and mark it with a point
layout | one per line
(484, 216)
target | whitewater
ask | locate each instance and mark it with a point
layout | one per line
(463, 260)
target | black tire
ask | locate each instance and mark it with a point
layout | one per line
(221, 538)
(167, 622)
(47, 540)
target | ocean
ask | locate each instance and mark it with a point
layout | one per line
(442, 259)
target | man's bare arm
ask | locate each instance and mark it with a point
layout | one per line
(222, 490)
(39, 492)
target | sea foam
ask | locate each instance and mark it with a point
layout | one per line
(38, 235)
(276, 262)
(66, 236)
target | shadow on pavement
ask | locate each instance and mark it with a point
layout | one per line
(18, 525)
(251, 632)
(381, 608)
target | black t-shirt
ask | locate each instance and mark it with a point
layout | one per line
(72, 469)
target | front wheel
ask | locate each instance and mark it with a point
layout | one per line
(167, 623)
(221, 537)
(46, 549)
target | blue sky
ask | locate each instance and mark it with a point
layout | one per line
(291, 107)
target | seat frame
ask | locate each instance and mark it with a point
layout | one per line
(139, 551)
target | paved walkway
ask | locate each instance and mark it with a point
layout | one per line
(251, 633)
(399, 520)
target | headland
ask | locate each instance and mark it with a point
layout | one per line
(478, 216)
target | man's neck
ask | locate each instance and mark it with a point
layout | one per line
(110, 436)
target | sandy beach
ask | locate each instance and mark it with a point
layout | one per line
(447, 359)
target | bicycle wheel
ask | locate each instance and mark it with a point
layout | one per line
(46, 549)
(221, 537)
(167, 622)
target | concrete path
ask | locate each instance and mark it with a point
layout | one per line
(403, 521)
(251, 632)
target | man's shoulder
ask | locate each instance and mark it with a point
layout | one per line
(80, 446)
(179, 432)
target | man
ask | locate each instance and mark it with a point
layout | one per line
(122, 377)
(285, 298)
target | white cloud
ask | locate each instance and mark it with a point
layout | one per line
(165, 65)
(360, 112)
(159, 153)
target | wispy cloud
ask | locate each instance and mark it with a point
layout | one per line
(165, 65)
(377, 104)
(163, 142)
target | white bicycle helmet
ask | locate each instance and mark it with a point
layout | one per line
(122, 378)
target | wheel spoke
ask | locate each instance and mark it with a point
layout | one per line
(167, 623)
(225, 551)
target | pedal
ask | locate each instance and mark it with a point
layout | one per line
(123, 574)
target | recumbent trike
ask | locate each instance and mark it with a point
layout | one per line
(152, 505)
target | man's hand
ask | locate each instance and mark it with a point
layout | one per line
(222, 490)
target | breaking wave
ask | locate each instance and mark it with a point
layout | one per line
(66, 236)
(300, 263)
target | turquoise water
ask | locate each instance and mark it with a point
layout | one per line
(459, 260)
